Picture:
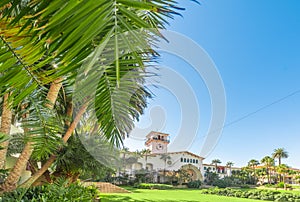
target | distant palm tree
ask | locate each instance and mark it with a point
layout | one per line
(253, 163)
(280, 153)
(146, 153)
(268, 162)
(165, 157)
(124, 151)
(229, 165)
(216, 162)
(282, 170)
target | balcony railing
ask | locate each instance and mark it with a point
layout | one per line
(161, 139)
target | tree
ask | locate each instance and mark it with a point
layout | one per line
(43, 48)
(297, 178)
(216, 162)
(6, 121)
(282, 170)
(268, 163)
(253, 163)
(229, 165)
(3, 138)
(210, 177)
(146, 153)
(124, 151)
(165, 158)
(279, 154)
(183, 176)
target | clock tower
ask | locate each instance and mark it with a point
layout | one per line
(157, 142)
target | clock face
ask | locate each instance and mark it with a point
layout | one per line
(159, 147)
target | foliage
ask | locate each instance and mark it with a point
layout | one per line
(44, 41)
(143, 176)
(266, 195)
(77, 158)
(194, 184)
(210, 176)
(154, 186)
(180, 176)
(60, 191)
(3, 138)
(282, 185)
(280, 153)
(223, 183)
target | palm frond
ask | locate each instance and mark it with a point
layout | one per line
(42, 127)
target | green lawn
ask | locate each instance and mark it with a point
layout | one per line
(180, 195)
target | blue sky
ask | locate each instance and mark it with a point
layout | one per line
(256, 48)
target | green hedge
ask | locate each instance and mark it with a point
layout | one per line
(53, 193)
(194, 184)
(266, 195)
(154, 186)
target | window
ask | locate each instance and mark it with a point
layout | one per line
(191, 160)
(205, 168)
(184, 160)
(188, 160)
(181, 159)
(196, 160)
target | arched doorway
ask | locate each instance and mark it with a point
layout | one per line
(149, 166)
(193, 171)
(137, 166)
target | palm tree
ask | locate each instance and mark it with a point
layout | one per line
(282, 170)
(124, 151)
(229, 165)
(146, 153)
(280, 153)
(268, 163)
(6, 120)
(216, 162)
(44, 47)
(297, 178)
(253, 163)
(165, 157)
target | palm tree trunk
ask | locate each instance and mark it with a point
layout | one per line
(51, 160)
(14, 176)
(5, 128)
(11, 181)
(165, 170)
(268, 175)
(254, 176)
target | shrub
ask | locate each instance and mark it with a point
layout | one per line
(194, 184)
(154, 186)
(280, 185)
(60, 191)
(266, 195)
(222, 183)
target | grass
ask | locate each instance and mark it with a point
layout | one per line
(177, 195)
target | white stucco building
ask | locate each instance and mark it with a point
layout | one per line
(160, 161)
